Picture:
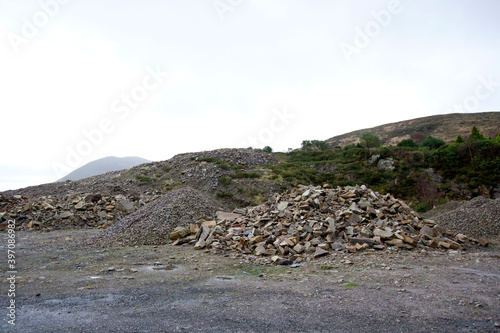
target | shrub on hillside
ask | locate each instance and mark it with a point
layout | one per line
(267, 149)
(432, 142)
(309, 145)
(407, 143)
(369, 140)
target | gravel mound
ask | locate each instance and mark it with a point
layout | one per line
(478, 218)
(247, 157)
(442, 209)
(152, 224)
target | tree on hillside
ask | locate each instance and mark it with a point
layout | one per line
(306, 145)
(475, 135)
(369, 140)
(407, 143)
(267, 149)
(459, 139)
(432, 142)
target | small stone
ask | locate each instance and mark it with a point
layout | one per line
(426, 230)
(203, 236)
(298, 248)
(260, 250)
(111, 269)
(256, 239)
(483, 242)
(383, 233)
(65, 214)
(338, 246)
(282, 205)
(125, 206)
(226, 216)
(179, 232)
(320, 252)
(211, 223)
(394, 242)
(80, 205)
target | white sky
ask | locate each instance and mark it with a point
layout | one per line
(280, 71)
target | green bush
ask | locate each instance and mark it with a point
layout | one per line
(225, 180)
(473, 162)
(407, 143)
(267, 149)
(143, 178)
(309, 145)
(171, 184)
(431, 142)
(422, 207)
(241, 174)
(209, 159)
(475, 135)
(224, 194)
(369, 140)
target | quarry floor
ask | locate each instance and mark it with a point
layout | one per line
(60, 287)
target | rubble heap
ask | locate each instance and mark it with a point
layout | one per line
(84, 210)
(308, 222)
(152, 224)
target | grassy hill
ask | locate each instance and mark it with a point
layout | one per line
(445, 127)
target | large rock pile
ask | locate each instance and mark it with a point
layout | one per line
(87, 210)
(308, 222)
(479, 217)
(203, 170)
(62, 205)
(152, 224)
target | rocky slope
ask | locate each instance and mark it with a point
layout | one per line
(101, 200)
(446, 127)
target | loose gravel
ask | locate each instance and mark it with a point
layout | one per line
(478, 218)
(153, 224)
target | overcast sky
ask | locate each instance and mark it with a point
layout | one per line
(81, 80)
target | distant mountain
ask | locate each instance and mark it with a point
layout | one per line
(103, 165)
(445, 127)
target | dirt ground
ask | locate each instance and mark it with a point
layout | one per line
(60, 288)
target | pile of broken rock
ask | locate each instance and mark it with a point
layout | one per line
(308, 222)
(86, 210)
